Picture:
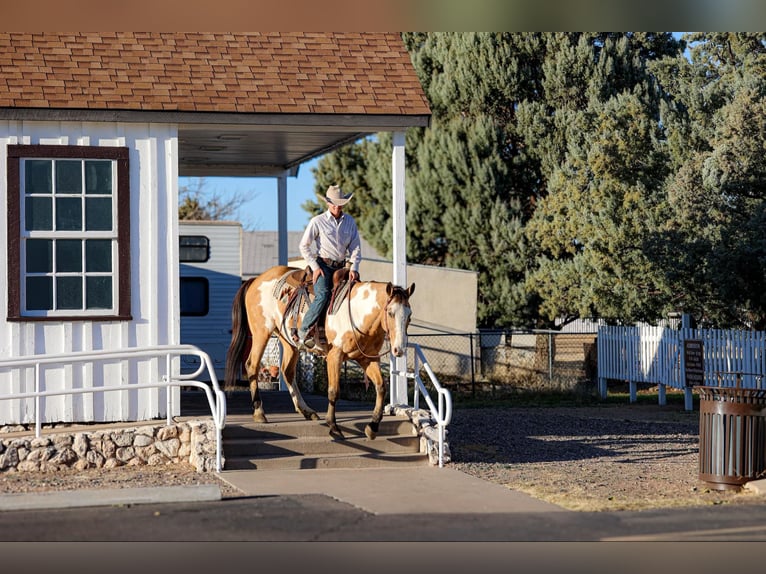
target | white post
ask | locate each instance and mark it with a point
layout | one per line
(281, 246)
(282, 218)
(398, 394)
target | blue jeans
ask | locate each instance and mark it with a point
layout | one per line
(322, 292)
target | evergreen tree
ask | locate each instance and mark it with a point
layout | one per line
(717, 187)
(595, 129)
(469, 178)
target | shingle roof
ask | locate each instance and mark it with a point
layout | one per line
(329, 73)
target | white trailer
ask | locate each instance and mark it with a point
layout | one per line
(210, 254)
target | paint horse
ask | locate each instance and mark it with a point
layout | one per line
(371, 313)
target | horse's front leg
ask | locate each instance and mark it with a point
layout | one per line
(333, 391)
(372, 370)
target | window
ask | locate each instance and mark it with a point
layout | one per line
(195, 296)
(193, 248)
(68, 232)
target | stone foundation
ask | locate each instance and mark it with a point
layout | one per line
(193, 442)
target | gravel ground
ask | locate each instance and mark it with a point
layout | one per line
(600, 458)
(603, 458)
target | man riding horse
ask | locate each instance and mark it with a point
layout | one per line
(330, 239)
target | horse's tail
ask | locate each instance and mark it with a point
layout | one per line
(240, 332)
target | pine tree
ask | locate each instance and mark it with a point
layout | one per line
(717, 189)
(595, 129)
(469, 178)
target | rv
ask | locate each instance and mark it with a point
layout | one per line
(210, 254)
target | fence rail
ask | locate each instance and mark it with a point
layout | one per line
(645, 354)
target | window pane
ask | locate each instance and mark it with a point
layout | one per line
(68, 176)
(69, 256)
(68, 214)
(194, 296)
(98, 214)
(39, 293)
(69, 292)
(37, 176)
(39, 255)
(38, 214)
(98, 255)
(98, 293)
(98, 176)
(194, 248)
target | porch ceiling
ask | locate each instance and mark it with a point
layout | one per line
(272, 145)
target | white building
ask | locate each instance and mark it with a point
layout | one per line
(95, 130)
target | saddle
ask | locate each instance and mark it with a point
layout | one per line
(296, 289)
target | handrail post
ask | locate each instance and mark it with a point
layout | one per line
(38, 422)
(168, 394)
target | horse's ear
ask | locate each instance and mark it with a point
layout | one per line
(389, 288)
(411, 290)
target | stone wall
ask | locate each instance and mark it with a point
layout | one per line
(193, 442)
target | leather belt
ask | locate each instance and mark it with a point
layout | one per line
(332, 263)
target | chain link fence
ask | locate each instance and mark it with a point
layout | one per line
(503, 362)
(494, 363)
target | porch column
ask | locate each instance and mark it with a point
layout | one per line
(282, 218)
(398, 393)
(282, 244)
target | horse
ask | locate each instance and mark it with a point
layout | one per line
(356, 329)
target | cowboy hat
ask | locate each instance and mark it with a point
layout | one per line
(335, 196)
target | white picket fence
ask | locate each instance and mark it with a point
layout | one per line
(654, 355)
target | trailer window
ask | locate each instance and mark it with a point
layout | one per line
(194, 248)
(195, 296)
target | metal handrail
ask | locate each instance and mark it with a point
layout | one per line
(442, 413)
(215, 396)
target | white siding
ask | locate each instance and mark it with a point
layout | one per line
(154, 283)
(212, 332)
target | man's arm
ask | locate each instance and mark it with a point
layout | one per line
(307, 246)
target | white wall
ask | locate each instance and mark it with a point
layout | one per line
(154, 283)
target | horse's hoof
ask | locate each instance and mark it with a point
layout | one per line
(259, 418)
(312, 416)
(336, 433)
(371, 434)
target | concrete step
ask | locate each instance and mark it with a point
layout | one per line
(329, 461)
(352, 426)
(281, 446)
(290, 442)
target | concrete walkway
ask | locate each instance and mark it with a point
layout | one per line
(404, 490)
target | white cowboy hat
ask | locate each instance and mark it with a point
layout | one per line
(335, 196)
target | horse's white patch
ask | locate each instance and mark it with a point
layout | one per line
(397, 324)
(364, 306)
(272, 315)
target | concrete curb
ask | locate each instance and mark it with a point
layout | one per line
(109, 497)
(757, 486)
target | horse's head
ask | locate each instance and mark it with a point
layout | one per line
(398, 313)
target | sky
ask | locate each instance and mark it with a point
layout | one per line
(260, 212)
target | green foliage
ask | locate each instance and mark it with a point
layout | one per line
(582, 174)
(716, 139)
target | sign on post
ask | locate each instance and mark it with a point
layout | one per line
(694, 366)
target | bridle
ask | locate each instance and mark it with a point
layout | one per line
(354, 329)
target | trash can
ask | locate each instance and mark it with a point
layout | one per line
(732, 442)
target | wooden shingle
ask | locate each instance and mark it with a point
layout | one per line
(340, 73)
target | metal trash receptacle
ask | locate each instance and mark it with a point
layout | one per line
(732, 441)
